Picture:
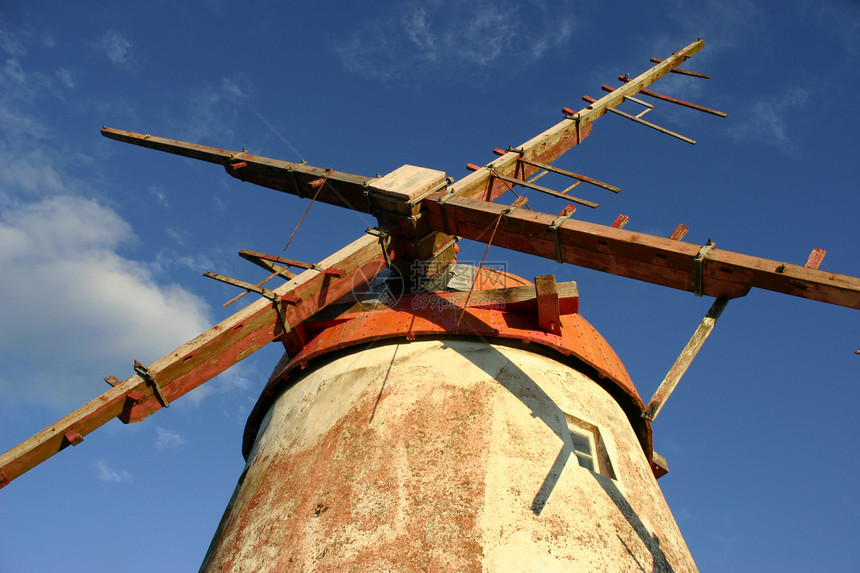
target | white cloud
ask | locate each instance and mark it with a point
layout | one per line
(21, 90)
(167, 439)
(210, 107)
(17, 43)
(178, 235)
(107, 474)
(723, 23)
(116, 48)
(422, 38)
(842, 18)
(30, 172)
(73, 309)
(66, 78)
(768, 121)
(168, 259)
(160, 195)
(219, 203)
(66, 289)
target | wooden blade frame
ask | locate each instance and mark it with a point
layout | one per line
(418, 227)
(350, 191)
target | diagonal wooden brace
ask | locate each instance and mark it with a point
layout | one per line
(667, 386)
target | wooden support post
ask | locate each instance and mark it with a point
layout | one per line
(549, 316)
(667, 386)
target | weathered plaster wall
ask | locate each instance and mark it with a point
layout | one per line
(444, 455)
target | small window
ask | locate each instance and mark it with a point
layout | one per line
(584, 449)
(588, 446)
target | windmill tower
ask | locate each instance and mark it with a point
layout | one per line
(444, 426)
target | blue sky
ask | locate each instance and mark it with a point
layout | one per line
(103, 245)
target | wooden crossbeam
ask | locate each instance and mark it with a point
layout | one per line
(656, 260)
(206, 356)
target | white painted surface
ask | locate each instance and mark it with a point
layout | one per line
(445, 455)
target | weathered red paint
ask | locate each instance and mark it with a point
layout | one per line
(432, 315)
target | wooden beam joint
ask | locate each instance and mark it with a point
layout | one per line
(149, 377)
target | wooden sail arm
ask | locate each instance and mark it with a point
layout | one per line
(339, 188)
(560, 138)
(208, 355)
(658, 260)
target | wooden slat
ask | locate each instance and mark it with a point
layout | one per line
(676, 101)
(679, 233)
(620, 221)
(815, 258)
(638, 119)
(548, 191)
(643, 257)
(264, 261)
(206, 356)
(573, 175)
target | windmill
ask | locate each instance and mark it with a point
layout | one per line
(419, 215)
